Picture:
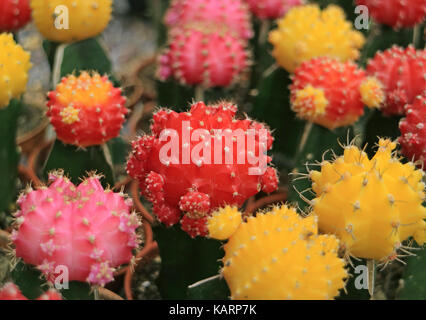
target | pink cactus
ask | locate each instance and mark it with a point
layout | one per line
(233, 14)
(87, 229)
(272, 9)
(11, 292)
(192, 185)
(203, 54)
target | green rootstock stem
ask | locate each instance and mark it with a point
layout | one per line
(414, 278)
(83, 161)
(184, 261)
(9, 156)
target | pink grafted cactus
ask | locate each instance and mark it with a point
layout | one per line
(86, 229)
(204, 55)
(232, 13)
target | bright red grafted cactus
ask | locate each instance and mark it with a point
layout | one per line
(204, 55)
(86, 229)
(413, 130)
(14, 14)
(272, 9)
(233, 14)
(197, 161)
(396, 13)
(332, 93)
(86, 110)
(402, 73)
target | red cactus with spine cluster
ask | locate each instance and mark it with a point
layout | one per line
(192, 184)
(331, 93)
(233, 14)
(402, 74)
(14, 14)
(413, 130)
(86, 110)
(272, 9)
(204, 55)
(396, 13)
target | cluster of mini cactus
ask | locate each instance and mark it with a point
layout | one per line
(85, 228)
(186, 186)
(201, 167)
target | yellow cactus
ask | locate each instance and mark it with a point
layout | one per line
(14, 66)
(310, 101)
(306, 32)
(223, 222)
(371, 205)
(279, 255)
(71, 20)
(372, 93)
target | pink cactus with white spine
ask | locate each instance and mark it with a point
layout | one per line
(235, 14)
(85, 228)
(202, 54)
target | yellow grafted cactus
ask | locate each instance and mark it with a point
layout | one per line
(224, 222)
(372, 93)
(14, 66)
(279, 255)
(71, 20)
(372, 205)
(306, 32)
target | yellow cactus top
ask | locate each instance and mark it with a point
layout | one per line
(71, 20)
(14, 66)
(224, 222)
(372, 93)
(371, 205)
(279, 255)
(307, 32)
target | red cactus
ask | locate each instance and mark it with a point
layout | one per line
(331, 93)
(204, 55)
(396, 13)
(413, 130)
(272, 9)
(234, 14)
(402, 73)
(86, 229)
(86, 110)
(193, 184)
(14, 14)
